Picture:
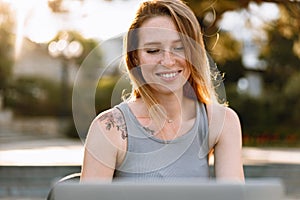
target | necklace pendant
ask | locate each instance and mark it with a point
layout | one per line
(170, 121)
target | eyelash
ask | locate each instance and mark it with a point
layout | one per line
(152, 51)
(179, 48)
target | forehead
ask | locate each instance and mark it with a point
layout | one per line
(157, 29)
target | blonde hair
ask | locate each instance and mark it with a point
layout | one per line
(199, 84)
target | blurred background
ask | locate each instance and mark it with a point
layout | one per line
(254, 43)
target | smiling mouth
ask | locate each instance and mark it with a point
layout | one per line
(169, 75)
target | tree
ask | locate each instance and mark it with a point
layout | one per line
(209, 12)
(7, 45)
(282, 74)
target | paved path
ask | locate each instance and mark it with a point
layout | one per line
(62, 151)
(22, 150)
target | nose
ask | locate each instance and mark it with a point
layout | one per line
(168, 59)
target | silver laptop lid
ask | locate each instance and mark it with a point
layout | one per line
(271, 189)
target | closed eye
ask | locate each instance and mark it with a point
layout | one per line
(152, 51)
(181, 48)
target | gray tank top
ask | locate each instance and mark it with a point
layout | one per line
(152, 159)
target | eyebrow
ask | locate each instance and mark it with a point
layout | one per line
(159, 43)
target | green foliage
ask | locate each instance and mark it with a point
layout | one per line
(282, 84)
(6, 47)
(292, 94)
(33, 96)
(269, 120)
(109, 92)
(104, 92)
(226, 48)
(292, 87)
(233, 70)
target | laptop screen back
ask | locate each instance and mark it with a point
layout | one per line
(194, 190)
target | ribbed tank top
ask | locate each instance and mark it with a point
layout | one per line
(152, 159)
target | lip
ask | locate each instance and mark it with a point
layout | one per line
(168, 75)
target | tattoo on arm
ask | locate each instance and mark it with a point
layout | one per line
(115, 119)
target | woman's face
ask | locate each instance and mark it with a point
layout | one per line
(161, 55)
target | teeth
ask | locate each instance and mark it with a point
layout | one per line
(169, 75)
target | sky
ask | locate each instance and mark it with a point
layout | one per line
(257, 16)
(104, 19)
(93, 18)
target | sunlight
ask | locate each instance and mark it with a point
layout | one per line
(21, 8)
(25, 12)
(103, 20)
(70, 155)
(33, 20)
(37, 22)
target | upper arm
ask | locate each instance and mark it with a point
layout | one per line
(105, 140)
(226, 139)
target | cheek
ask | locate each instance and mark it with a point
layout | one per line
(147, 59)
(142, 58)
(187, 71)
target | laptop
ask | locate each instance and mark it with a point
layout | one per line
(271, 189)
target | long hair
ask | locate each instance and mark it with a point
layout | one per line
(199, 83)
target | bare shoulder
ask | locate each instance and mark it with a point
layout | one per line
(220, 115)
(108, 129)
(232, 126)
(222, 121)
(231, 115)
(113, 120)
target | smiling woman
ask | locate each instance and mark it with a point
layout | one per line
(172, 121)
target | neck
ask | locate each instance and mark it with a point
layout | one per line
(172, 104)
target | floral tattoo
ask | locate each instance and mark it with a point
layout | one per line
(115, 119)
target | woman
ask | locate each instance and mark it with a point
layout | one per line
(172, 120)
